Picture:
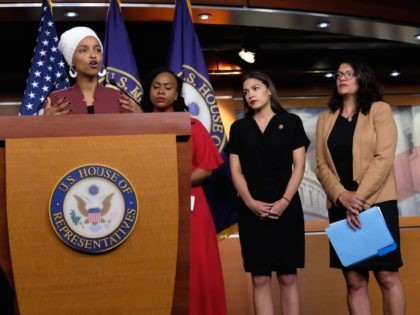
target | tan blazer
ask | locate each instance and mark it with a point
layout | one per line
(374, 144)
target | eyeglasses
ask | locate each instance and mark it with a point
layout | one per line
(348, 75)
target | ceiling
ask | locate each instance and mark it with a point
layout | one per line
(291, 48)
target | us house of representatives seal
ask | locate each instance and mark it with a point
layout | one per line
(93, 208)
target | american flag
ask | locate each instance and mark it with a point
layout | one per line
(48, 71)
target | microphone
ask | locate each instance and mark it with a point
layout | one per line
(60, 80)
(57, 83)
(113, 83)
(62, 77)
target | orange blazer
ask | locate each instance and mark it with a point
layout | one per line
(374, 145)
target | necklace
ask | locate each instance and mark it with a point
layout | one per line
(349, 118)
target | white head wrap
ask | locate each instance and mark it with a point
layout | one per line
(71, 38)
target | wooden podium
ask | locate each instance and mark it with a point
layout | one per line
(147, 273)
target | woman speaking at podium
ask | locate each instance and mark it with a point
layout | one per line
(83, 52)
(163, 93)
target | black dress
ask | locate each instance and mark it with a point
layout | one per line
(266, 161)
(340, 144)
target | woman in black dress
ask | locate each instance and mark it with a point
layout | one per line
(267, 159)
(355, 148)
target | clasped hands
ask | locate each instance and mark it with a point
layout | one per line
(266, 210)
(353, 204)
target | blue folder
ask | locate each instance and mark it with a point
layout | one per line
(353, 246)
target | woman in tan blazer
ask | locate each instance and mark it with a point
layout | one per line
(355, 148)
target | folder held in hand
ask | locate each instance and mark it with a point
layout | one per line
(353, 246)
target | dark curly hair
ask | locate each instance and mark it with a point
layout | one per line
(266, 80)
(369, 89)
(146, 104)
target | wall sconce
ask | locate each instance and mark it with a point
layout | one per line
(247, 55)
(250, 47)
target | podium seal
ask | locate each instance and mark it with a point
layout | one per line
(93, 208)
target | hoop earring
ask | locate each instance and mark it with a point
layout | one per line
(72, 72)
(102, 72)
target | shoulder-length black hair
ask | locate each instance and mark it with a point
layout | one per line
(369, 89)
(179, 103)
(266, 80)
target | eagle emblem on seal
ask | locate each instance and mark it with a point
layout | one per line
(94, 207)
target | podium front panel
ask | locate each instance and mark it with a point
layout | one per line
(138, 276)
